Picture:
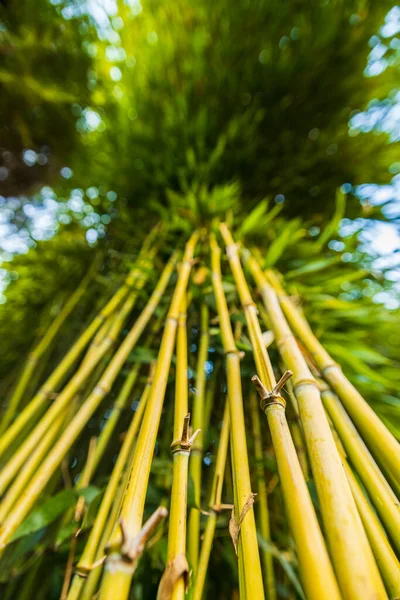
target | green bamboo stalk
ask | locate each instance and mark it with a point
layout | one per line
(54, 458)
(121, 564)
(40, 349)
(41, 398)
(93, 552)
(262, 500)
(352, 557)
(384, 499)
(215, 507)
(386, 559)
(196, 460)
(250, 575)
(381, 442)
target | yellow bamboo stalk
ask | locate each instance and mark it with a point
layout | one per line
(176, 575)
(315, 568)
(262, 500)
(381, 442)
(196, 460)
(54, 458)
(383, 498)
(93, 552)
(39, 350)
(215, 507)
(386, 559)
(250, 576)
(41, 398)
(352, 557)
(121, 565)
(181, 447)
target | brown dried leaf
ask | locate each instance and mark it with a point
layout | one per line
(174, 570)
(234, 526)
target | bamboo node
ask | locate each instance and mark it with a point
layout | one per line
(231, 250)
(184, 444)
(274, 396)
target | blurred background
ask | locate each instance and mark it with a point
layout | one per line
(115, 114)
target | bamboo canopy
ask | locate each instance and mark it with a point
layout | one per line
(342, 516)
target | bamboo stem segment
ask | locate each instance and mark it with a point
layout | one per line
(250, 579)
(262, 500)
(214, 505)
(196, 460)
(315, 567)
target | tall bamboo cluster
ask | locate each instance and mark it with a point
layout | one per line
(180, 455)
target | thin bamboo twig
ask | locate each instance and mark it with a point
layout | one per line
(262, 500)
(90, 554)
(381, 442)
(355, 567)
(119, 567)
(215, 507)
(250, 575)
(54, 458)
(196, 460)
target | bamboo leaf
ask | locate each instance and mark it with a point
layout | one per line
(53, 508)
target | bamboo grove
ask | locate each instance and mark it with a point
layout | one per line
(195, 410)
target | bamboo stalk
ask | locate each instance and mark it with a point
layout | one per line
(352, 557)
(214, 506)
(71, 433)
(196, 460)
(176, 575)
(315, 567)
(381, 442)
(250, 576)
(39, 350)
(90, 554)
(181, 447)
(120, 566)
(37, 404)
(386, 559)
(384, 500)
(262, 500)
